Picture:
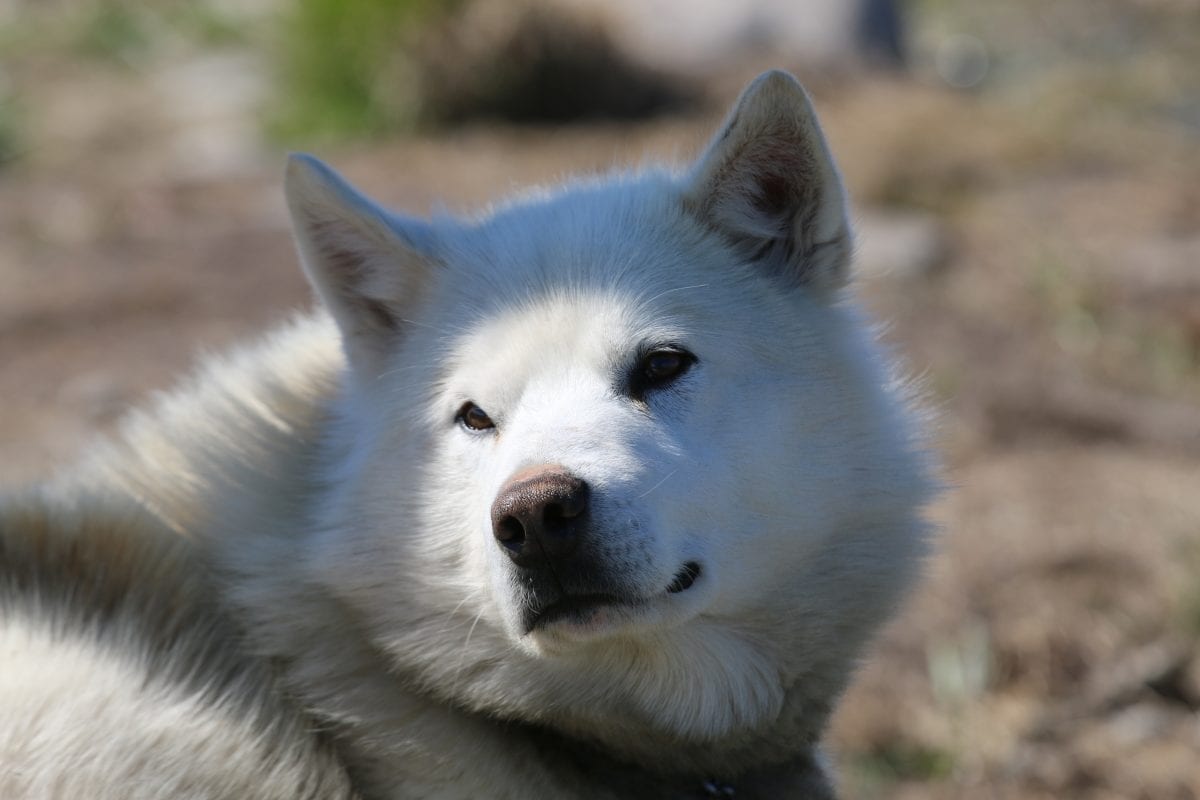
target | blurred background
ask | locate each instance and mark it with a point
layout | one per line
(1026, 177)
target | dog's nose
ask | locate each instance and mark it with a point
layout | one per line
(537, 517)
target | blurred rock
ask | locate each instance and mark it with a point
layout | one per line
(208, 106)
(962, 61)
(71, 215)
(900, 246)
(707, 37)
(1162, 276)
(533, 61)
(570, 60)
(1161, 267)
(1179, 682)
(97, 396)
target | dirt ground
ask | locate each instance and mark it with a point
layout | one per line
(1051, 304)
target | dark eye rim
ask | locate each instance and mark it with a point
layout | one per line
(641, 381)
(463, 414)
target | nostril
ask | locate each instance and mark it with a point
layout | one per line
(571, 503)
(555, 514)
(539, 517)
(510, 532)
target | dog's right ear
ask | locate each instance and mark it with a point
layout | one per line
(769, 184)
(366, 264)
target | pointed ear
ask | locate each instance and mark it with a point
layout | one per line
(768, 182)
(366, 265)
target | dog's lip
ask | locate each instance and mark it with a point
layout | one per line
(581, 605)
(684, 579)
(573, 604)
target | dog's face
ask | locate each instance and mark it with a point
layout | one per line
(594, 447)
(612, 430)
(630, 452)
(570, 426)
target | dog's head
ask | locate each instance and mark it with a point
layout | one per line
(621, 440)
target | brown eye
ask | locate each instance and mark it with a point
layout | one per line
(658, 368)
(475, 418)
(663, 365)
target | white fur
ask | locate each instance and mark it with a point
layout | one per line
(346, 513)
(121, 680)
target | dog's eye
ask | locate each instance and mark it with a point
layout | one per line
(474, 418)
(663, 365)
(660, 367)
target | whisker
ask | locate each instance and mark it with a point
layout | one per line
(452, 614)
(676, 289)
(462, 656)
(660, 483)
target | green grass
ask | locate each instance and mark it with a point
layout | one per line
(10, 132)
(126, 33)
(114, 31)
(342, 67)
(869, 775)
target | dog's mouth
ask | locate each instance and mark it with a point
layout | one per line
(684, 578)
(578, 608)
(581, 609)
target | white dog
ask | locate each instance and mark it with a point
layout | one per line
(597, 496)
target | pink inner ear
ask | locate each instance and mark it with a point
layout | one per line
(767, 187)
(345, 264)
(769, 183)
(346, 269)
(775, 195)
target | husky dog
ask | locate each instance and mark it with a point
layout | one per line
(599, 495)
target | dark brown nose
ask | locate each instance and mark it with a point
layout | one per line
(537, 516)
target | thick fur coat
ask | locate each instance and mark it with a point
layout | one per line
(599, 495)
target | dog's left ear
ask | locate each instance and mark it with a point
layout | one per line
(768, 183)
